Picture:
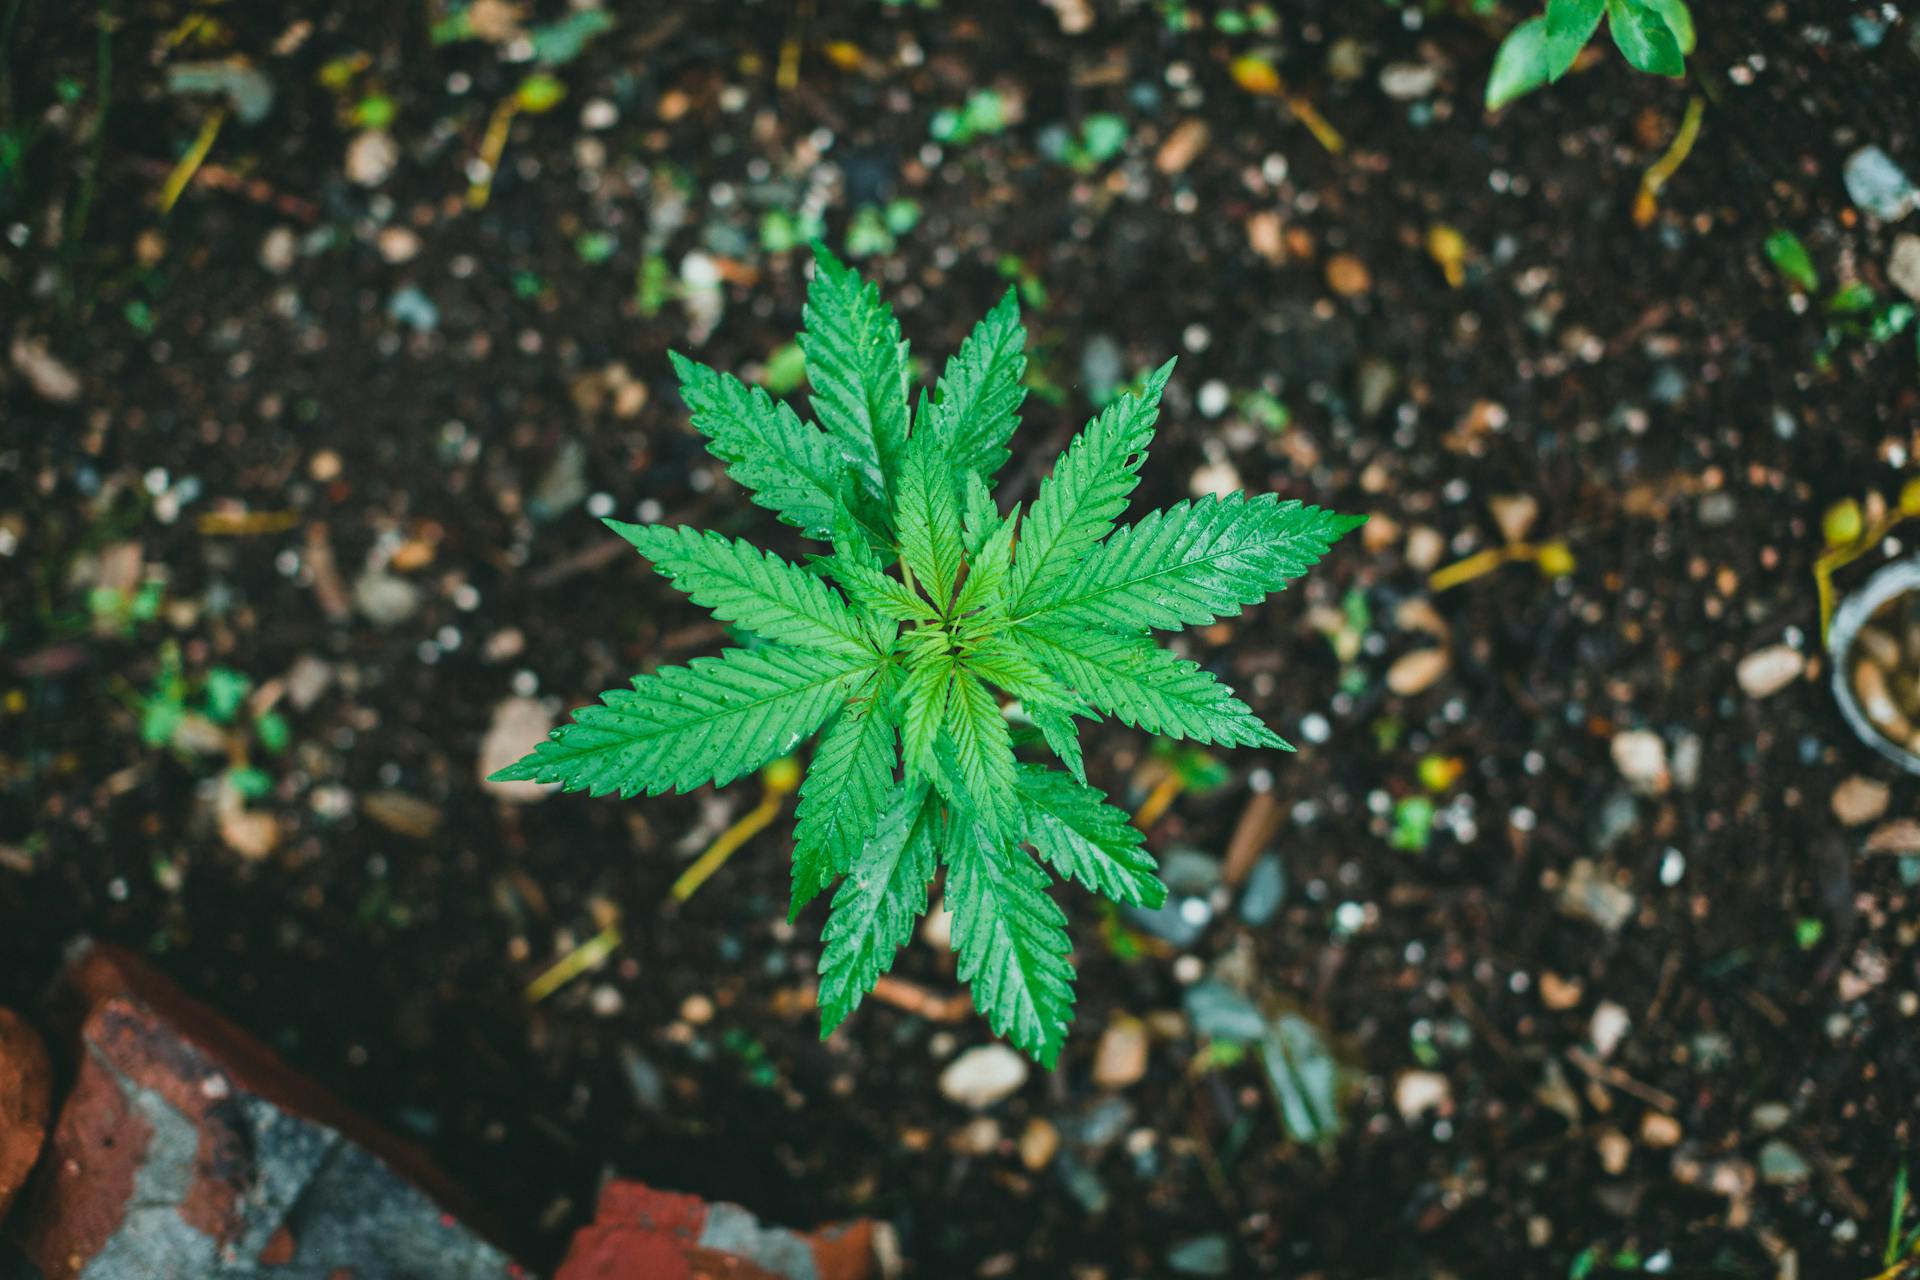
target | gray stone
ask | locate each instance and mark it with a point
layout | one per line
(1879, 186)
(1265, 891)
(1903, 268)
(1202, 1256)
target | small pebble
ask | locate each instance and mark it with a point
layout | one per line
(1587, 895)
(1641, 757)
(51, 379)
(398, 244)
(1416, 1093)
(401, 813)
(1903, 268)
(1202, 1256)
(1182, 147)
(1515, 514)
(1558, 993)
(1416, 672)
(517, 724)
(1215, 480)
(1767, 671)
(1121, 1058)
(1348, 276)
(277, 250)
(1213, 398)
(1659, 1130)
(599, 114)
(385, 599)
(1425, 546)
(1608, 1027)
(1405, 81)
(1615, 1150)
(371, 158)
(983, 1075)
(980, 1136)
(1858, 801)
(1782, 1166)
(1879, 186)
(1039, 1142)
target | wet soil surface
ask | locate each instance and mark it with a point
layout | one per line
(1611, 935)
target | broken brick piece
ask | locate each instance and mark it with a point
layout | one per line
(26, 1084)
(640, 1233)
(186, 1148)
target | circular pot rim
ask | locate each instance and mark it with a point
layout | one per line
(1886, 582)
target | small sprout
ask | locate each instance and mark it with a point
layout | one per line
(1555, 560)
(652, 285)
(375, 111)
(1255, 74)
(1412, 824)
(595, 247)
(1655, 36)
(271, 728)
(1843, 523)
(782, 776)
(1439, 773)
(249, 783)
(1790, 258)
(984, 115)
(539, 93)
(225, 691)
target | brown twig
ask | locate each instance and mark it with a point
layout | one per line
(1608, 1074)
(1258, 823)
(917, 1000)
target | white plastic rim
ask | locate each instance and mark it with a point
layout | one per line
(1896, 579)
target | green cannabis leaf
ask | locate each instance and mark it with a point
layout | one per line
(933, 608)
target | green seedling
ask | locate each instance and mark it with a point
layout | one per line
(1655, 36)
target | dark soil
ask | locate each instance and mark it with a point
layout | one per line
(1652, 389)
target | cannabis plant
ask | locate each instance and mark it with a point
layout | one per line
(932, 607)
(1655, 36)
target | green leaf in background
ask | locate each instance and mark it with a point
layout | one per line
(1570, 24)
(250, 783)
(226, 690)
(1790, 258)
(1304, 1078)
(1644, 38)
(1852, 300)
(557, 43)
(273, 731)
(1521, 65)
(1679, 19)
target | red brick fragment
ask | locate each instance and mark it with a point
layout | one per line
(640, 1233)
(26, 1085)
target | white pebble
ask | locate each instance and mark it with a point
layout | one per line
(983, 1076)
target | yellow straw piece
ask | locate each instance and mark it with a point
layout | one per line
(190, 163)
(778, 779)
(492, 146)
(1159, 800)
(589, 955)
(1555, 559)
